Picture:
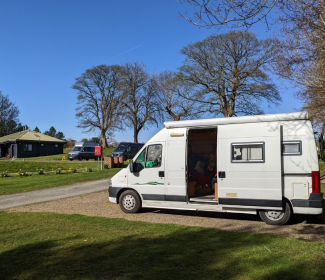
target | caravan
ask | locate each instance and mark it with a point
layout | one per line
(266, 165)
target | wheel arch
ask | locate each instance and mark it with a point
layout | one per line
(286, 200)
(119, 193)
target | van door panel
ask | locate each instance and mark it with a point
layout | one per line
(250, 182)
(148, 182)
(175, 166)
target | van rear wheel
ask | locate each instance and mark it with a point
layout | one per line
(130, 202)
(274, 217)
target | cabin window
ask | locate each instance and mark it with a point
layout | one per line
(291, 148)
(28, 147)
(247, 152)
(149, 157)
(154, 156)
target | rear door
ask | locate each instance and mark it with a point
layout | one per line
(249, 165)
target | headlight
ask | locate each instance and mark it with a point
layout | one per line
(110, 183)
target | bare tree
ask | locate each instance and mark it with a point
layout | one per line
(99, 100)
(170, 92)
(139, 100)
(234, 13)
(227, 73)
(302, 56)
(8, 116)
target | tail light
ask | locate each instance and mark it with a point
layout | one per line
(315, 181)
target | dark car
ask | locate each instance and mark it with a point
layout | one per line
(127, 150)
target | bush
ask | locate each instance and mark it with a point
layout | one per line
(57, 171)
(22, 173)
(40, 171)
(4, 174)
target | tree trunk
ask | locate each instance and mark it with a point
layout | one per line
(104, 140)
(135, 135)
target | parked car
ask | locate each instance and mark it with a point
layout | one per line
(127, 149)
(83, 150)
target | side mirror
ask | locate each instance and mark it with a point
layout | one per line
(135, 167)
(131, 165)
(138, 166)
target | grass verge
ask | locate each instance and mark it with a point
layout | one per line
(53, 246)
(31, 166)
(106, 152)
(18, 184)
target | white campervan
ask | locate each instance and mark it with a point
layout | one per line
(265, 164)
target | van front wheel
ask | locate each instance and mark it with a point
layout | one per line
(130, 202)
(275, 217)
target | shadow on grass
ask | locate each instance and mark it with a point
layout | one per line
(184, 253)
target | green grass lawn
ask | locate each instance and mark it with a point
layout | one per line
(18, 184)
(32, 166)
(53, 246)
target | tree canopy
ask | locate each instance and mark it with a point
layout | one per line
(170, 93)
(100, 101)
(227, 73)
(234, 13)
(9, 112)
(52, 132)
(300, 38)
(140, 105)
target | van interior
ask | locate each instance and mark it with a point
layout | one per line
(202, 165)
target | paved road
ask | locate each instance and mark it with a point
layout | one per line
(13, 200)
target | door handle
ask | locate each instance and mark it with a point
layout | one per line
(222, 174)
(161, 173)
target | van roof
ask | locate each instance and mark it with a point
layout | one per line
(131, 143)
(86, 144)
(237, 120)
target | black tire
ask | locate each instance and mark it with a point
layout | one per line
(273, 217)
(130, 202)
(70, 159)
(80, 158)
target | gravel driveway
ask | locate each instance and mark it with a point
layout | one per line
(97, 204)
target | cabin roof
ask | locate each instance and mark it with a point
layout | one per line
(29, 135)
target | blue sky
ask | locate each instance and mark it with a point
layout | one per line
(45, 45)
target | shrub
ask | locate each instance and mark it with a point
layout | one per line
(57, 171)
(73, 170)
(40, 171)
(89, 169)
(4, 174)
(22, 173)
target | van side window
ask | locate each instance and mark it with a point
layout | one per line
(150, 157)
(291, 148)
(141, 158)
(154, 156)
(247, 152)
